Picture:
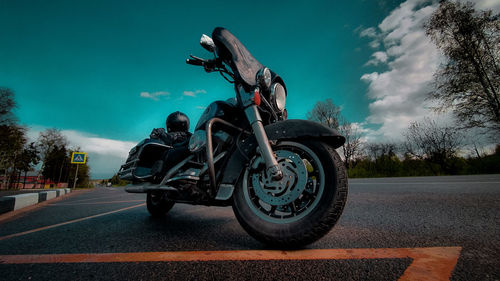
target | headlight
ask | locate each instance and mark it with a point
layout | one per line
(278, 96)
(264, 77)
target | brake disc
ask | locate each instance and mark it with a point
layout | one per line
(289, 188)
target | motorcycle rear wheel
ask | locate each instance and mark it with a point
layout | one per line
(300, 209)
(157, 204)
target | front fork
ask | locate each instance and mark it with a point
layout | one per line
(253, 116)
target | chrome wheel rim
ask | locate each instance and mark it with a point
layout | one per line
(296, 195)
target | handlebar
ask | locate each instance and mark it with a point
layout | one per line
(194, 62)
(197, 61)
(209, 65)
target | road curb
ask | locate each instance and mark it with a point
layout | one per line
(16, 202)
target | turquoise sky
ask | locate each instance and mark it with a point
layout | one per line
(82, 65)
(106, 72)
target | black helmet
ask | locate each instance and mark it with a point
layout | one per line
(177, 122)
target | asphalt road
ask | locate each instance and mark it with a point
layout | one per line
(391, 227)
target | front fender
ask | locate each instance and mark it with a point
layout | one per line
(283, 130)
(299, 129)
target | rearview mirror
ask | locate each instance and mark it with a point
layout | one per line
(207, 43)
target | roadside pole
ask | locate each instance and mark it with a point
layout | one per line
(78, 158)
(76, 175)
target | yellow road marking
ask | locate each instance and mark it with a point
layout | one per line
(432, 263)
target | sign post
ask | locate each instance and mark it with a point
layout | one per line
(78, 158)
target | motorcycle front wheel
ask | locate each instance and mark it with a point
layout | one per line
(300, 208)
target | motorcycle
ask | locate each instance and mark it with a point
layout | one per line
(283, 178)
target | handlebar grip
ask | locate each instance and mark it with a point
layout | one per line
(194, 62)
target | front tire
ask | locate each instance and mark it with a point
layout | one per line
(307, 203)
(157, 204)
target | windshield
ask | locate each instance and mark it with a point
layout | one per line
(230, 49)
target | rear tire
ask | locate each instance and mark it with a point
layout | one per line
(302, 218)
(157, 204)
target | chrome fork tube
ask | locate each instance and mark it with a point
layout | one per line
(272, 166)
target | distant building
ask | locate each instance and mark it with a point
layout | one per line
(32, 180)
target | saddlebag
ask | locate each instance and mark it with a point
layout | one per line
(141, 159)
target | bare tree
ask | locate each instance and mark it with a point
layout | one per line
(432, 142)
(377, 150)
(12, 142)
(7, 104)
(384, 160)
(468, 83)
(327, 113)
(48, 140)
(352, 144)
(28, 159)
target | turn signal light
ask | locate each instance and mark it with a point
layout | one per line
(256, 97)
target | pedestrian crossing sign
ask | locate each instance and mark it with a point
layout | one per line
(78, 158)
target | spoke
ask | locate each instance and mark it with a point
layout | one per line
(273, 209)
(293, 208)
(307, 194)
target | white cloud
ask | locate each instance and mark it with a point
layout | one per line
(398, 18)
(193, 93)
(398, 94)
(375, 44)
(378, 57)
(370, 32)
(105, 155)
(154, 96)
(487, 5)
(92, 144)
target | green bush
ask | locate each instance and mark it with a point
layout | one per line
(392, 166)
